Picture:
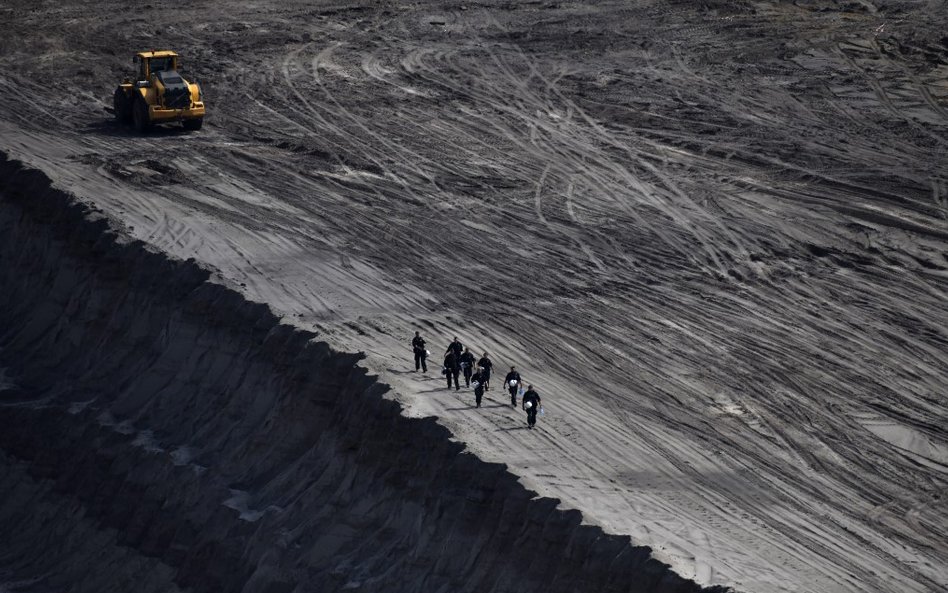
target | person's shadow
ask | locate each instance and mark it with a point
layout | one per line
(435, 390)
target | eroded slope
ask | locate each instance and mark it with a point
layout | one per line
(163, 433)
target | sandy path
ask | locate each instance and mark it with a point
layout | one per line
(714, 239)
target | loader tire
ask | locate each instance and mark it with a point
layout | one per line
(193, 125)
(140, 116)
(121, 106)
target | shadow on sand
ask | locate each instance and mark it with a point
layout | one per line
(111, 128)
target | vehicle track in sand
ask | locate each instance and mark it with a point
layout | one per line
(724, 227)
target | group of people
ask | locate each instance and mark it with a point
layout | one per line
(459, 360)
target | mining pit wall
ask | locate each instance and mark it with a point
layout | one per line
(159, 432)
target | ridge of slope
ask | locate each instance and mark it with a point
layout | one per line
(164, 433)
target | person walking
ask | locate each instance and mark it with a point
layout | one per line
(477, 380)
(512, 381)
(421, 355)
(467, 366)
(486, 366)
(456, 347)
(531, 403)
(452, 368)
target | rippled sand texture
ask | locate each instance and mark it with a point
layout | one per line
(712, 234)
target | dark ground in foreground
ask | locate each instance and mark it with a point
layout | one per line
(714, 231)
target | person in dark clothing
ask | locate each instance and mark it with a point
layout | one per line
(531, 403)
(467, 366)
(455, 347)
(486, 365)
(421, 355)
(477, 380)
(512, 381)
(452, 368)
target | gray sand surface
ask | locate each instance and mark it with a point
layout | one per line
(713, 234)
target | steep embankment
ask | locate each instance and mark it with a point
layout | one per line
(164, 433)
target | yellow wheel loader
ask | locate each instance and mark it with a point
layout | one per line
(159, 94)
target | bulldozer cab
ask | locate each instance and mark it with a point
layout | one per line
(153, 62)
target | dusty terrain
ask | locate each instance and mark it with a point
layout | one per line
(712, 234)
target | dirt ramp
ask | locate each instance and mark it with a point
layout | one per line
(164, 433)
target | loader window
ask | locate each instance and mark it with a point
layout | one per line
(162, 64)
